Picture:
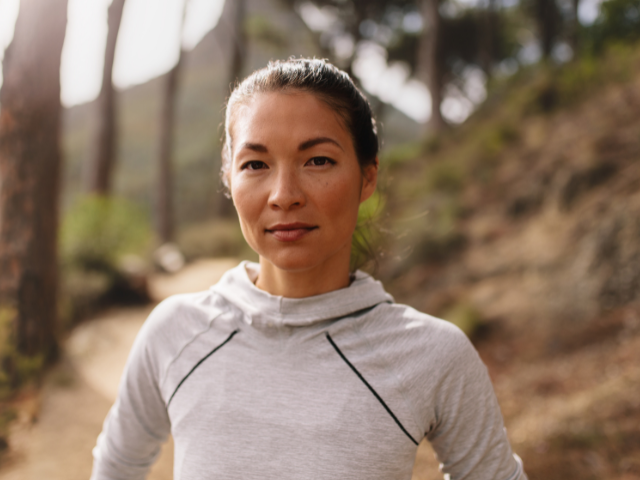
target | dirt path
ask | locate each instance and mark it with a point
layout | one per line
(57, 429)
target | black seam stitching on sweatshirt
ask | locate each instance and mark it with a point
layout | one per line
(375, 394)
(199, 363)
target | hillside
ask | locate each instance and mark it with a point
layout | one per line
(523, 228)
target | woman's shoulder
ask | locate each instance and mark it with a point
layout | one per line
(180, 318)
(406, 332)
(179, 328)
(403, 319)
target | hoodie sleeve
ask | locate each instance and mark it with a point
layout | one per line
(138, 423)
(468, 433)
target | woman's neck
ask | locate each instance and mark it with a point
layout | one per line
(321, 279)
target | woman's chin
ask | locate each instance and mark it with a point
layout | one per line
(290, 263)
(316, 257)
(296, 260)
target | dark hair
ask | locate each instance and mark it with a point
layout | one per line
(317, 77)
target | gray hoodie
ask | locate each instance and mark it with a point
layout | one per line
(340, 385)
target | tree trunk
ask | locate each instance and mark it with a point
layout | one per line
(239, 44)
(488, 34)
(547, 19)
(233, 15)
(164, 206)
(105, 144)
(356, 36)
(165, 159)
(575, 28)
(30, 164)
(431, 65)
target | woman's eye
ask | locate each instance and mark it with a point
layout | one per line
(320, 161)
(253, 165)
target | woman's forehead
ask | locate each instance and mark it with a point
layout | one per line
(285, 103)
(269, 116)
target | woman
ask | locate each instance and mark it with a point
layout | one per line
(295, 368)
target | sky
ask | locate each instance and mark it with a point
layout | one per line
(149, 42)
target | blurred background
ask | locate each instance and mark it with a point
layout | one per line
(509, 201)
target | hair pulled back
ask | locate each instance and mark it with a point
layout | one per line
(320, 78)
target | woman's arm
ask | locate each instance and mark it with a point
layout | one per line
(468, 434)
(138, 423)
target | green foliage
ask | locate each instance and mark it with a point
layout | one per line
(7, 317)
(618, 22)
(435, 237)
(98, 235)
(491, 142)
(575, 82)
(544, 88)
(367, 237)
(260, 29)
(466, 40)
(465, 316)
(571, 83)
(215, 238)
(7, 348)
(370, 209)
(399, 154)
(445, 176)
(432, 144)
(81, 291)
(17, 369)
(543, 95)
(568, 85)
(98, 231)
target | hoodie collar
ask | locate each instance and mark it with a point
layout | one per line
(262, 308)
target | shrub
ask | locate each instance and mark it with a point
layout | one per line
(17, 369)
(97, 237)
(99, 231)
(399, 154)
(445, 176)
(465, 316)
(433, 237)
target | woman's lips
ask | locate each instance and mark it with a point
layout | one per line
(290, 232)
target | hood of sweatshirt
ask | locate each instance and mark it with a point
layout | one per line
(262, 308)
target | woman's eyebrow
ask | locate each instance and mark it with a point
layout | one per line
(256, 147)
(316, 141)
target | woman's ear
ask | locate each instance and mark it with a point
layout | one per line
(369, 180)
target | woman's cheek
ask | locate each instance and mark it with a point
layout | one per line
(249, 199)
(242, 191)
(342, 198)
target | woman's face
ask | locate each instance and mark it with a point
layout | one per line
(295, 181)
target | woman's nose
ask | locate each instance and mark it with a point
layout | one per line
(286, 191)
